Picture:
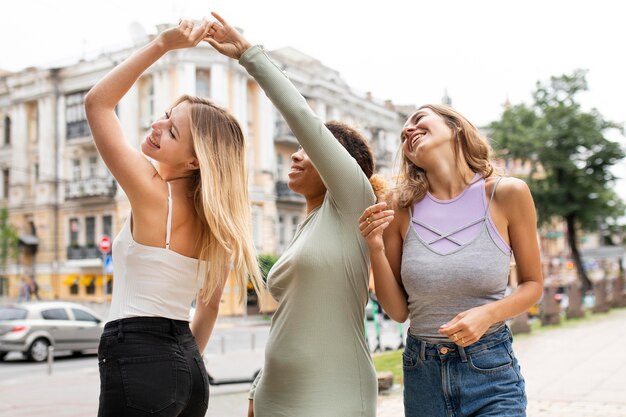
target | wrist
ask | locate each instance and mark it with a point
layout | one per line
(245, 45)
(159, 45)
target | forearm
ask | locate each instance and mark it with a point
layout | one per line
(389, 292)
(202, 331)
(110, 90)
(338, 169)
(204, 320)
(521, 299)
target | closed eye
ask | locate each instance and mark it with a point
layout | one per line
(167, 116)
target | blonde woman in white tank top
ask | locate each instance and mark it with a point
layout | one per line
(189, 224)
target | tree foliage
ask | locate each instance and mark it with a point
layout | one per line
(569, 154)
(8, 240)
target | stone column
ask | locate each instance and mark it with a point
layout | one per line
(575, 301)
(618, 291)
(601, 304)
(550, 309)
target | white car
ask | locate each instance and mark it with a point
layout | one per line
(31, 327)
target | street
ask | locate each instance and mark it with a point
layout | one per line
(575, 370)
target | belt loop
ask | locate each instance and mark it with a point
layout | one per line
(422, 350)
(120, 331)
(462, 353)
(173, 329)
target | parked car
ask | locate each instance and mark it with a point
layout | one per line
(33, 326)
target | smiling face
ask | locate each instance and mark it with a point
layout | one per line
(170, 141)
(424, 135)
(304, 178)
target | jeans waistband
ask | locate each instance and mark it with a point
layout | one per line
(158, 324)
(426, 348)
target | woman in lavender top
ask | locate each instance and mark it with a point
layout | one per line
(441, 258)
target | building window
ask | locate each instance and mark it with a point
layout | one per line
(5, 183)
(36, 172)
(90, 231)
(76, 120)
(93, 166)
(279, 167)
(203, 83)
(32, 116)
(76, 170)
(7, 130)
(146, 103)
(294, 225)
(281, 233)
(107, 226)
(74, 230)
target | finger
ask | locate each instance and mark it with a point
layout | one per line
(370, 227)
(219, 18)
(200, 32)
(451, 327)
(214, 44)
(376, 231)
(372, 209)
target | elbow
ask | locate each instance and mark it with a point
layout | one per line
(399, 316)
(91, 101)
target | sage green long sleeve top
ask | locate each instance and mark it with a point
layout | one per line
(317, 362)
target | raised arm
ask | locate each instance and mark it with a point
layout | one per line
(128, 166)
(343, 177)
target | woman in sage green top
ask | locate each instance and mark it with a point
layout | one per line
(317, 362)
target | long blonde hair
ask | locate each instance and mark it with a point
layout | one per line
(220, 194)
(412, 183)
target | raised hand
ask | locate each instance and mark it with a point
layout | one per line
(226, 39)
(373, 222)
(185, 35)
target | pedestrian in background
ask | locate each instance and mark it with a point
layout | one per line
(189, 223)
(441, 257)
(34, 288)
(317, 362)
(24, 293)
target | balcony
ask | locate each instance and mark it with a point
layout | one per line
(104, 187)
(285, 195)
(284, 135)
(83, 252)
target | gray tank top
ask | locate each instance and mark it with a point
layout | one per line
(453, 259)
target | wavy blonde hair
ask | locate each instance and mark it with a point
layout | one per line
(412, 183)
(220, 195)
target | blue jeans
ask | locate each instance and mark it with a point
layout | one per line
(151, 366)
(446, 380)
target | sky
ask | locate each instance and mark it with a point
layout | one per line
(410, 51)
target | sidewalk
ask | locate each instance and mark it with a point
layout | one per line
(577, 370)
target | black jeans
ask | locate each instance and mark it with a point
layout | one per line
(150, 366)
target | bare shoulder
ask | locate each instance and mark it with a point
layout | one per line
(401, 219)
(512, 195)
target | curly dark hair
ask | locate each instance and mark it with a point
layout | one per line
(355, 143)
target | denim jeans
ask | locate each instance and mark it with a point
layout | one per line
(151, 366)
(446, 380)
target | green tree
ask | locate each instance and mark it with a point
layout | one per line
(569, 154)
(8, 241)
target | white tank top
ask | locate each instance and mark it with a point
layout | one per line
(152, 281)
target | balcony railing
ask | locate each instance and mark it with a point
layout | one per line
(284, 134)
(284, 193)
(91, 187)
(83, 252)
